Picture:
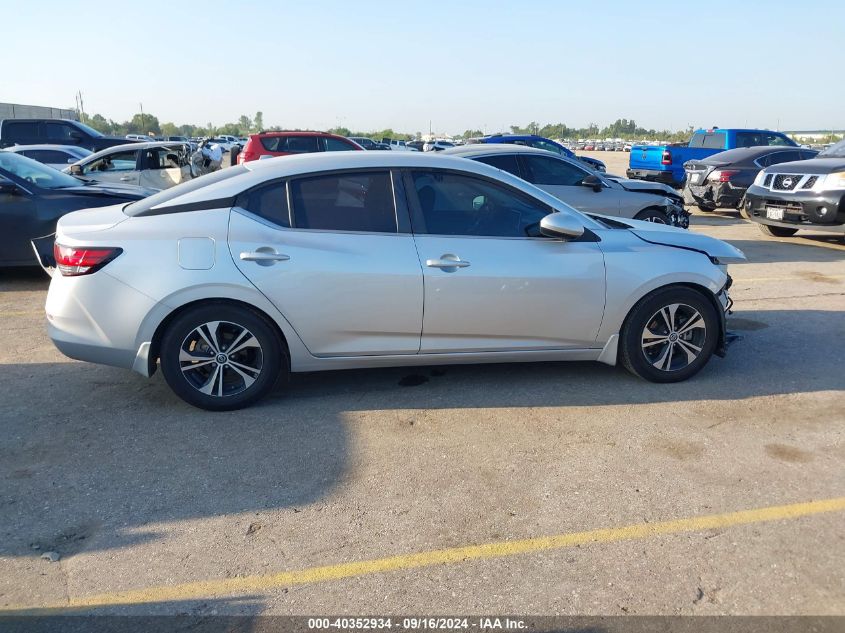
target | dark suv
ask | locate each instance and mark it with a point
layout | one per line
(807, 194)
(55, 131)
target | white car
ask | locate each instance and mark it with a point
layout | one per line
(579, 186)
(159, 165)
(401, 146)
(437, 145)
(55, 156)
(139, 137)
(325, 261)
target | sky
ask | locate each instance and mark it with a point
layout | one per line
(449, 65)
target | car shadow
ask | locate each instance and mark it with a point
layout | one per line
(94, 458)
(766, 252)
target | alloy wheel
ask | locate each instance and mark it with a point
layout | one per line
(674, 337)
(221, 358)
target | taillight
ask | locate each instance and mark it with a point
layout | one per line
(667, 157)
(722, 175)
(73, 261)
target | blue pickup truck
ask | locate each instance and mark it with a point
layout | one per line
(665, 163)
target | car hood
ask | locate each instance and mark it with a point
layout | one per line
(811, 166)
(130, 192)
(666, 235)
(641, 186)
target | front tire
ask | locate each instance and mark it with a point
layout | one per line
(669, 335)
(221, 357)
(776, 231)
(653, 215)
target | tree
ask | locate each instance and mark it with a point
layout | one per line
(99, 123)
(245, 124)
(143, 124)
(259, 121)
(472, 133)
(341, 131)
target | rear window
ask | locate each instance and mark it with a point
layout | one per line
(709, 140)
(291, 144)
(144, 207)
(49, 156)
(357, 201)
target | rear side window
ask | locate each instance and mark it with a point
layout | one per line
(358, 201)
(781, 157)
(710, 140)
(291, 144)
(48, 156)
(549, 171)
(549, 147)
(20, 129)
(505, 163)
(337, 145)
(267, 201)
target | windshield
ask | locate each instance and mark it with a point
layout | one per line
(837, 150)
(88, 129)
(34, 172)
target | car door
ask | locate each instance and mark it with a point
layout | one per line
(162, 168)
(118, 166)
(18, 221)
(562, 179)
(338, 263)
(492, 282)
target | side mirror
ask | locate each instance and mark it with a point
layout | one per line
(592, 181)
(75, 170)
(561, 225)
(8, 187)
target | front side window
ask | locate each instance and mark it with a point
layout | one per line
(119, 161)
(267, 201)
(59, 131)
(543, 170)
(776, 139)
(355, 201)
(337, 145)
(455, 204)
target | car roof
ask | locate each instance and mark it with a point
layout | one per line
(257, 172)
(45, 146)
(294, 133)
(131, 147)
(483, 149)
(740, 154)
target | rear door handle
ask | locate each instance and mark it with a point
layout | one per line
(263, 256)
(447, 261)
(126, 178)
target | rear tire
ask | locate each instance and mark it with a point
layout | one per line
(221, 357)
(653, 215)
(776, 231)
(669, 335)
(233, 155)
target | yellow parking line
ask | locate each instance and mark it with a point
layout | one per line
(233, 586)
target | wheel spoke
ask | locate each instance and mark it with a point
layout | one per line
(205, 337)
(665, 314)
(208, 387)
(187, 357)
(248, 380)
(691, 350)
(662, 341)
(255, 370)
(197, 365)
(237, 340)
(659, 362)
(220, 381)
(250, 342)
(695, 321)
(673, 309)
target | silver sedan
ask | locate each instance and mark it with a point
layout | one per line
(370, 259)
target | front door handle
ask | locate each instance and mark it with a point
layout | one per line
(126, 178)
(447, 262)
(262, 256)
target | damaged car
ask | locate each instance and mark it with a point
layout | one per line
(721, 180)
(158, 165)
(579, 186)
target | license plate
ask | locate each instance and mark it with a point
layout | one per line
(774, 214)
(693, 178)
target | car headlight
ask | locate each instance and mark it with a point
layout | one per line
(761, 176)
(836, 180)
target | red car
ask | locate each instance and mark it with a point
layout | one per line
(285, 143)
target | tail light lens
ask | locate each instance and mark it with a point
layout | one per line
(722, 175)
(73, 261)
(667, 157)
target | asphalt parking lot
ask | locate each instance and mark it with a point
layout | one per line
(535, 488)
